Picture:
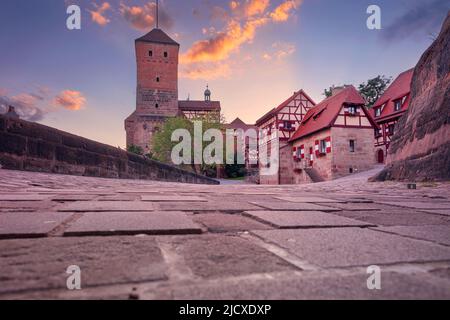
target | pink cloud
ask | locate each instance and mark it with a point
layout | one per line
(144, 17)
(98, 15)
(70, 100)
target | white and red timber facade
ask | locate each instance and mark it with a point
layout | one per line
(281, 123)
(157, 58)
(387, 111)
(335, 139)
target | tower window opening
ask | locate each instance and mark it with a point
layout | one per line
(150, 53)
(157, 79)
(157, 106)
(166, 54)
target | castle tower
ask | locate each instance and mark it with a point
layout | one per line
(157, 87)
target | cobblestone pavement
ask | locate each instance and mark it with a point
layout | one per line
(152, 240)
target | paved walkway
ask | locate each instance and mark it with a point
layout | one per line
(151, 240)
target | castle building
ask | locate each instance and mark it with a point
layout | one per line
(388, 110)
(157, 57)
(281, 123)
(335, 139)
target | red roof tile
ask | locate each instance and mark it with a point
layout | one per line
(324, 114)
(400, 88)
(193, 105)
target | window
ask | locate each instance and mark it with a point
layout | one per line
(397, 105)
(352, 146)
(377, 112)
(150, 53)
(391, 129)
(323, 147)
(352, 109)
(287, 125)
(157, 79)
(156, 106)
(166, 54)
(378, 133)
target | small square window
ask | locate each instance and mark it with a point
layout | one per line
(352, 146)
(352, 109)
(377, 112)
(398, 105)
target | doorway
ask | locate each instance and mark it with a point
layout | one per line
(380, 156)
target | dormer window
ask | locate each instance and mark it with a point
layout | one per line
(398, 105)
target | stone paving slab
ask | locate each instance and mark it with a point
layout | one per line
(396, 217)
(41, 264)
(359, 206)
(217, 256)
(303, 219)
(132, 223)
(75, 197)
(435, 233)
(219, 222)
(317, 287)
(418, 205)
(224, 206)
(23, 197)
(163, 198)
(289, 206)
(444, 212)
(303, 199)
(106, 206)
(345, 247)
(29, 224)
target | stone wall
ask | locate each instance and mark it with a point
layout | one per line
(420, 148)
(33, 147)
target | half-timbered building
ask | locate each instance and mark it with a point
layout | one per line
(387, 111)
(280, 124)
(334, 139)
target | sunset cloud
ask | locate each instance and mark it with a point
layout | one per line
(26, 105)
(283, 11)
(241, 27)
(98, 15)
(143, 17)
(70, 100)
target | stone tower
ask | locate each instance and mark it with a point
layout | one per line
(157, 87)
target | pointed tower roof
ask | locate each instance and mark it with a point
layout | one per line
(157, 36)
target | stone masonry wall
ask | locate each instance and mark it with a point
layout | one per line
(33, 147)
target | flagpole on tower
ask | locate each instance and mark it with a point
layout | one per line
(157, 14)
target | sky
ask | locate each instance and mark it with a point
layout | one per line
(254, 54)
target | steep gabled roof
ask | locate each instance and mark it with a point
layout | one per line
(157, 36)
(274, 111)
(193, 105)
(324, 114)
(400, 88)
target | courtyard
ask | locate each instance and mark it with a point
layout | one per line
(154, 240)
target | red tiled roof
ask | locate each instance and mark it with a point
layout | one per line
(193, 105)
(157, 36)
(400, 88)
(324, 114)
(274, 111)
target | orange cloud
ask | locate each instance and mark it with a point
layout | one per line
(249, 8)
(70, 100)
(283, 11)
(98, 16)
(144, 17)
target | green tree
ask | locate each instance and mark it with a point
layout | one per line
(162, 144)
(374, 89)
